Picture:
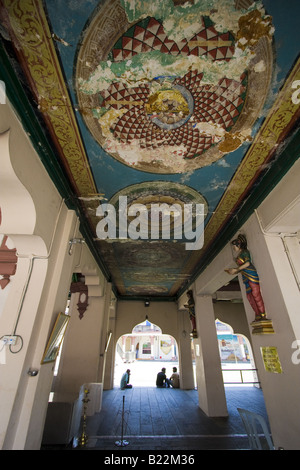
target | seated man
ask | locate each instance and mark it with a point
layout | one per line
(161, 379)
(125, 380)
(174, 379)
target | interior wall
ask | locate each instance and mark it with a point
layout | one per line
(81, 350)
(162, 314)
(39, 226)
(234, 315)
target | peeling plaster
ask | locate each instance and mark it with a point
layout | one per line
(177, 22)
(232, 142)
(259, 67)
(182, 21)
(212, 129)
(157, 69)
(252, 27)
(145, 67)
(133, 154)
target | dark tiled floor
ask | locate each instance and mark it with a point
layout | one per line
(168, 419)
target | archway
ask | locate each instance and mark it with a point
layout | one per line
(145, 351)
(237, 361)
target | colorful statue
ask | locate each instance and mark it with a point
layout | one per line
(249, 275)
(191, 308)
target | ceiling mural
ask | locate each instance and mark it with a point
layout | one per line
(180, 103)
(170, 99)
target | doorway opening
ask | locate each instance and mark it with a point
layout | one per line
(145, 351)
(237, 361)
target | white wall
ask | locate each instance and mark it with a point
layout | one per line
(40, 226)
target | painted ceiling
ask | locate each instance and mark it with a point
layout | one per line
(178, 102)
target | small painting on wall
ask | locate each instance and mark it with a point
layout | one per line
(56, 338)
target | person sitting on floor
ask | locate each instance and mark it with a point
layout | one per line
(125, 380)
(174, 379)
(161, 379)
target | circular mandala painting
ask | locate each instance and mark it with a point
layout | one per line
(172, 99)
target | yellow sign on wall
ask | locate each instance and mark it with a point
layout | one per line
(271, 359)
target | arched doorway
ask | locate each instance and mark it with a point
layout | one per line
(237, 361)
(145, 351)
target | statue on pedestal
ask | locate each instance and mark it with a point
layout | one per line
(249, 275)
(191, 308)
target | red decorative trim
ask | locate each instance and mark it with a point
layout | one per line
(8, 262)
(83, 296)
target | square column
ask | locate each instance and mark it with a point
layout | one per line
(185, 352)
(209, 378)
(277, 355)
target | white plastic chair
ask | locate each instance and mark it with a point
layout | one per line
(257, 430)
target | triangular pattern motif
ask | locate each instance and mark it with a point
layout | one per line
(119, 96)
(144, 38)
(210, 107)
(219, 105)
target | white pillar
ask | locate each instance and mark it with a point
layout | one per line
(185, 351)
(281, 298)
(108, 382)
(210, 384)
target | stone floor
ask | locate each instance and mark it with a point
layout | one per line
(170, 420)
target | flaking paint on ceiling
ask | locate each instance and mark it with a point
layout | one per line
(208, 65)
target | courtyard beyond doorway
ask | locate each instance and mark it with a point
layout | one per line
(143, 373)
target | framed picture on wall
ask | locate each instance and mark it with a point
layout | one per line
(56, 338)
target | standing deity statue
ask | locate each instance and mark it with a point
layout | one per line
(191, 308)
(249, 276)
